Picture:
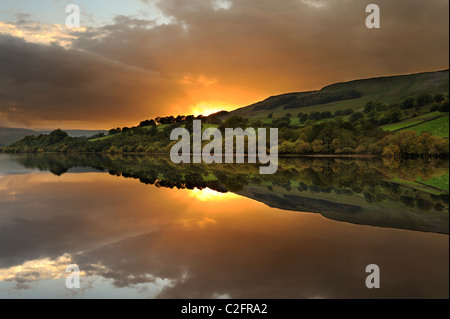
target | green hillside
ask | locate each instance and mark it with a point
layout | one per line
(397, 116)
(435, 123)
(437, 127)
(392, 89)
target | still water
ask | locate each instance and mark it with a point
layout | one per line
(289, 237)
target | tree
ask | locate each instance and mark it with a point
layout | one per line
(361, 149)
(287, 147)
(327, 115)
(113, 150)
(302, 147)
(315, 116)
(147, 123)
(257, 123)
(424, 99)
(317, 146)
(369, 107)
(356, 117)
(435, 107)
(392, 116)
(281, 122)
(57, 136)
(405, 140)
(408, 103)
(439, 97)
(140, 149)
(234, 122)
(444, 107)
(302, 117)
(391, 151)
(115, 131)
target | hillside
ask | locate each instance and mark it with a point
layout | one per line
(396, 116)
(80, 133)
(11, 135)
(349, 95)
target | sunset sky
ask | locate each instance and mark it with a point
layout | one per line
(133, 60)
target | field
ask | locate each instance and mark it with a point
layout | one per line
(400, 125)
(407, 123)
(437, 127)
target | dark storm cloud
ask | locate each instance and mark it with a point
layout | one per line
(292, 42)
(253, 49)
(50, 83)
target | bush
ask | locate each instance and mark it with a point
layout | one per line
(439, 98)
(113, 150)
(140, 149)
(408, 103)
(444, 107)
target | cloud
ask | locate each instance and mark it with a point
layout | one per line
(248, 49)
(51, 84)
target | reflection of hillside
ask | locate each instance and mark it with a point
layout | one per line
(352, 208)
(362, 191)
(299, 203)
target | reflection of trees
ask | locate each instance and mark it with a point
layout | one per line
(371, 179)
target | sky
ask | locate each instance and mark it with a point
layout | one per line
(132, 60)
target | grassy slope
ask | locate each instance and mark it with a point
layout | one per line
(385, 89)
(160, 128)
(433, 122)
(437, 127)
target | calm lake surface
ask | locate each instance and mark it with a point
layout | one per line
(142, 227)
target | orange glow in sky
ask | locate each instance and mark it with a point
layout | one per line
(205, 108)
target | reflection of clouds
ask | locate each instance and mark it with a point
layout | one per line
(135, 240)
(30, 273)
(219, 296)
(196, 223)
(34, 270)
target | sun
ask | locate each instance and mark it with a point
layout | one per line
(205, 108)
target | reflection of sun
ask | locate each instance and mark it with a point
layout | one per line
(207, 194)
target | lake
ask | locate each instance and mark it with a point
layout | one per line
(143, 227)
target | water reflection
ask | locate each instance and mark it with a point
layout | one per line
(135, 240)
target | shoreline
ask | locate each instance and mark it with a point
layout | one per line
(360, 156)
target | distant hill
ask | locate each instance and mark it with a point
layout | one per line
(79, 133)
(9, 135)
(349, 95)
